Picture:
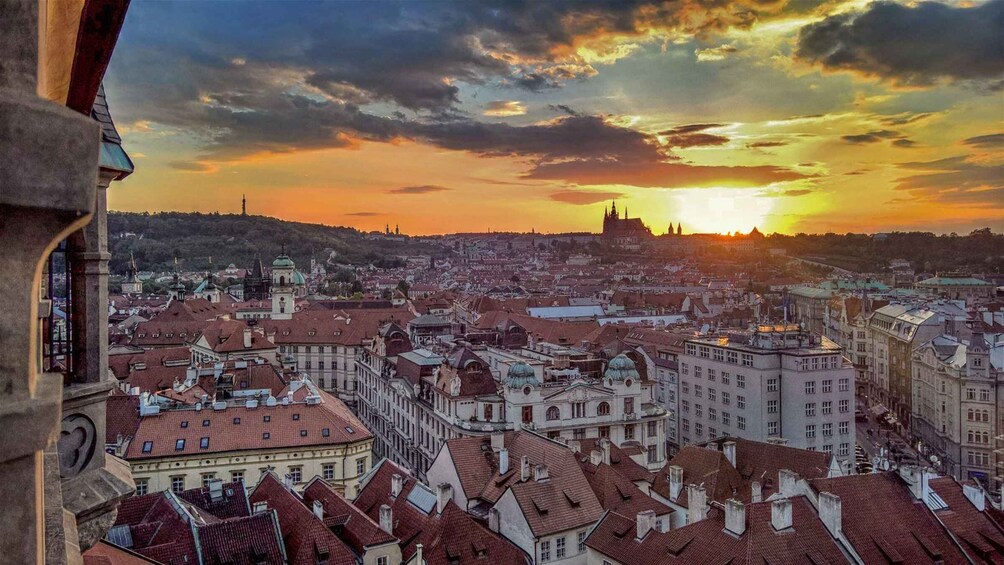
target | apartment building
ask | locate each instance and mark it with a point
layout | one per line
(958, 402)
(775, 382)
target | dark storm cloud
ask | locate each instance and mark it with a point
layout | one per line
(583, 198)
(766, 144)
(991, 141)
(266, 78)
(660, 174)
(689, 128)
(691, 135)
(904, 143)
(955, 180)
(871, 137)
(913, 46)
(420, 189)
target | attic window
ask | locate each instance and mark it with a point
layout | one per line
(296, 417)
(179, 445)
(325, 432)
(169, 335)
(237, 421)
(205, 423)
(181, 334)
(147, 446)
(267, 419)
(540, 507)
(303, 433)
(265, 435)
(349, 429)
(204, 443)
(141, 335)
(184, 423)
(572, 498)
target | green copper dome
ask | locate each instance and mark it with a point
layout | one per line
(520, 375)
(621, 368)
(283, 261)
(298, 278)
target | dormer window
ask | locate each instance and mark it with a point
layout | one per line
(179, 445)
(184, 423)
(147, 446)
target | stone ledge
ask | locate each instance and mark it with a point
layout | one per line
(35, 419)
(93, 497)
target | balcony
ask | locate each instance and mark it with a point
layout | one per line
(478, 426)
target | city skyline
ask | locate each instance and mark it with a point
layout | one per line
(448, 117)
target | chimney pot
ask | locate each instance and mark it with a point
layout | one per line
(780, 514)
(605, 450)
(386, 519)
(524, 468)
(787, 482)
(247, 338)
(575, 446)
(396, 483)
(735, 517)
(596, 457)
(443, 495)
(503, 461)
(757, 494)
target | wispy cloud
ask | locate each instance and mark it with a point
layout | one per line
(419, 189)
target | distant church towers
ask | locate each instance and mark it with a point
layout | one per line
(244, 205)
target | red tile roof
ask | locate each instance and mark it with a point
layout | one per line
(249, 540)
(157, 530)
(354, 527)
(107, 553)
(451, 537)
(285, 428)
(707, 541)
(306, 537)
(980, 536)
(884, 522)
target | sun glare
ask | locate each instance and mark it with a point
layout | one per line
(720, 210)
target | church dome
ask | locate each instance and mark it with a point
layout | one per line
(520, 375)
(298, 278)
(283, 261)
(621, 368)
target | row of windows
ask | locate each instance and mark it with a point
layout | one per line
(560, 550)
(810, 407)
(827, 429)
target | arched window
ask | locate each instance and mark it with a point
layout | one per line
(603, 409)
(282, 281)
(970, 436)
(969, 415)
(553, 413)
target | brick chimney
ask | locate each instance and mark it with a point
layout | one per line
(697, 504)
(493, 519)
(787, 482)
(780, 514)
(675, 481)
(396, 484)
(644, 522)
(386, 519)
(540, 473)
(735, 517)
(498, 441)
(829, 513)
(444, 492)
(729, 449)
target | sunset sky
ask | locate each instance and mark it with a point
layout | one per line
(474, 116)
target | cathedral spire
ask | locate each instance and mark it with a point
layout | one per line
(244, 205)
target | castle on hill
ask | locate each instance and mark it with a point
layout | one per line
(626, 227)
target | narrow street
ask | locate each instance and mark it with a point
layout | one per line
(872, 437)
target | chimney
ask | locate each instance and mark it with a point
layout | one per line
(645, 521)
(675, 481)
(524, 468)
(829, 513)
(503, 461)
(757, 494)
(697, 504)
(975, 495)
(443, 495)
(498, 441)
(247, 338)
(735, 517)
(596, 457)
(493, 519)
(729, 449)
(418, 554)
(386, 519)
(787, 482)
(396, 484)
(780, 514)
(540, 473)
(318, 510)
(605, 449)
(575, 446)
